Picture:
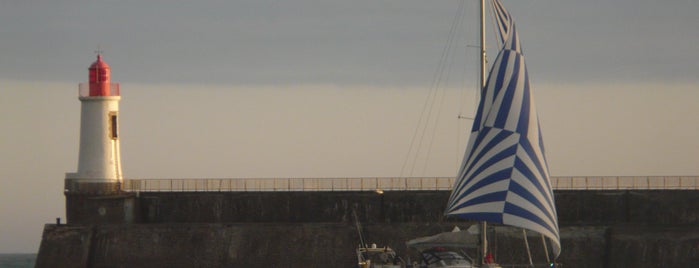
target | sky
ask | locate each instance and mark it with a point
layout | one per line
(228, 89)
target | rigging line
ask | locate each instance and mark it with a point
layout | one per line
(434, 131)
(474, 101)
(458, 153)
(440, 108)
(425, 105)
(436, 85)
(462, 83)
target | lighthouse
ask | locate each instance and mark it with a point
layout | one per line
(99, 160)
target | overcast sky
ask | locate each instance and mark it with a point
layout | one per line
(330, 89)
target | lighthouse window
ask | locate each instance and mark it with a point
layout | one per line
(113, 125)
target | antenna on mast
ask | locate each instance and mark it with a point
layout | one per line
(99, 50)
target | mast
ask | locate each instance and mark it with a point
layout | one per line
(484, 237)
(482, 45)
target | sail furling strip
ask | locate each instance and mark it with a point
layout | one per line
(504, 177)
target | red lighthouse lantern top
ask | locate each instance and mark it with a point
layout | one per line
(99, 79)
(99, 64)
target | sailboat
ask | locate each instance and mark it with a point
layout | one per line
(504, 177)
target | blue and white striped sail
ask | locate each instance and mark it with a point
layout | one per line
(504, 177)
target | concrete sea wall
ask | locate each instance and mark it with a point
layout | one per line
(316, 229)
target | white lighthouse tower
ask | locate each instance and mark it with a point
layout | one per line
(99, 164)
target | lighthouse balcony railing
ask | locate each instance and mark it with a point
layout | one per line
(84, 89)
(381, 184)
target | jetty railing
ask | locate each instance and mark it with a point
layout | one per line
(395, 184)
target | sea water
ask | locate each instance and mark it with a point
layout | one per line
(17, 260)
